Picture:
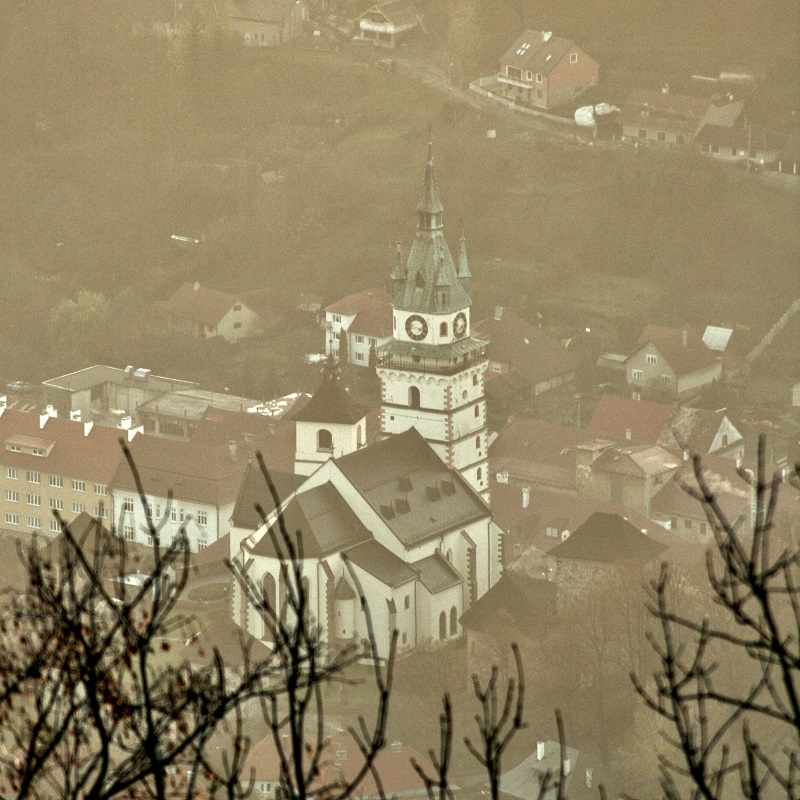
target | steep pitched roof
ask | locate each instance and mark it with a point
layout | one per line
(537, 51)
(405, 482)
(372, 309)
(396, 12)
(608, 538)
(324, 519)
(638, 460)
(381, 563)
(666, 111)
(683, 358)
(525, 348)
(436, 573)
(254, 492)
(331, 402)
(615, 416)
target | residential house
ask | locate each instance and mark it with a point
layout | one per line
(341, 761)
(52, 465)
(738, 143)
(107, 394)
(545, 71)
(188, 487)
(537, 454)
(698, 430)
(670, 363)
(663, 117)
(517, 349)
(267, 23)
(417, 535)
(788, 160)
(365, 319)
(211, 313)
(385, 23)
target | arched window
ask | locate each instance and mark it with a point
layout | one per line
(413, 397)
(324, 441)
(442, 625)
(480, 474)
(477, 411)
(443, 329)
(474, 380)
(478, 442)
(453, 621)
(450, 556)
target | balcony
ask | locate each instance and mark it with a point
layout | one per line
(513, 81)
(432, 366)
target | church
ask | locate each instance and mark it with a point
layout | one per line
(409, 514)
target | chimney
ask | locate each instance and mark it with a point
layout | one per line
(628, 433)
(685, 337)
(498, 313)
(526, 496)
(51, 411)
(539, 751)
(197, 287)
(125, 423)
(87, 426)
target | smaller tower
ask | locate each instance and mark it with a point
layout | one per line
(330, 425)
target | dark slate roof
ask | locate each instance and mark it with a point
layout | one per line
(331, 402)
(518, 600)
(255, 491)
(430, 281)
(405, 482)
(325, 520)
(343, 590)
(608, 538)
(437, 573)
(381, 563)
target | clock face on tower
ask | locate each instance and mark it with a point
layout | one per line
(416, 327)
(460, 324)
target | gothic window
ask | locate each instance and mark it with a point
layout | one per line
(413, 397)
(478, 442)
(453, 621)
(324, 441)
(480, 474)
(442, 625)
(443, 329)
(477, 411)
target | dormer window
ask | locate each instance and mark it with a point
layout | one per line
(538, 77)
(573, 58)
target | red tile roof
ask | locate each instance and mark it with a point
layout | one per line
(614, 416)
(75, 453)
(668, 112)
(201, 304)
(683, 358)
(372, 309)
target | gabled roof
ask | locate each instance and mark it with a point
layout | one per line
(331, 402)
(405, 482)
(525, 348)
(324, 519)
(436, 573)
(715, 338)
(73, 449)
(608, 538)
(537, 51)
(615, 416)
(696, 428)
(372, 309)
(254, 491)
(395, 12)
(665, 111)
(683, 358)
(381, 563)
(638, 460)
(194, 472)
(201, 304)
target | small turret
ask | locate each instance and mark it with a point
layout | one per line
(399, 270)
(464, 275)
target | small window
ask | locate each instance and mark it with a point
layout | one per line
(12, 518)
(360, 357)
(127, 532)
(37, 451)
(407, 602)
(127, 505)
(443, 329)
(56, 504)
(573, 58)
(661, 136)
(34, 477)
(324, 441)
(479, 475)
(100, 489)
(237, 307)
(173, 514)
(474, 380)
(34, 499)
(202, 544)
(237, 325)
(666, 379)
(55, 526)
(80, 486)
(681, 139)
(637, 374)
(413, 397)
(34, 522)
(477, 411)
(359, 339)
(651, 358)
(12, 474)
(11, 496)
(100, 511)
(56, 482)
(337, 318)
(538, 77)
(202, 518)
(14, 448)
(478, 442)
(78, 508)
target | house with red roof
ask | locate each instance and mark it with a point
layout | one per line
(50, 464)
(522, 357)
(212, 313)
(364, 319)
(545, 71)
(385, 23)
(664, 118)
(670, 363)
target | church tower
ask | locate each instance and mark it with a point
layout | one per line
(432, 370)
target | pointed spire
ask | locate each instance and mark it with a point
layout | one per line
(399, 271)
(463, 263)
(430, 207)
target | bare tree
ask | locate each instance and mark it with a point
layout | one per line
(734, 734)
(87, 707)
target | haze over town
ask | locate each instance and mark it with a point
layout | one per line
(474, 282)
